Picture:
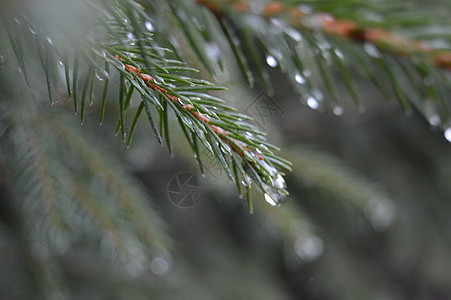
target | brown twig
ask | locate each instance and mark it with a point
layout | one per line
(384, 40)
(150, 82)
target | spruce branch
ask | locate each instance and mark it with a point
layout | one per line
(294, 15)
(335, 40)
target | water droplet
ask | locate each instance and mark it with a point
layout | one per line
(249, 134)
(212, 51)
(448, 134)
(60, 63)
(49, 40)
(226, 148)
(338, 110)
(159, 266)
(247, 181)
(130, 35)
(32, 31)
(309, 248)
(270, 200)
(312, 103)
(371, 50)
(101, 75)
(299, 78)
(339, 54)
(149, 26)
(2, 61)
(380, 213)
(318, 94)
(271, 61)
(280, 182)
(240, 196)
(434, 120)
(294, 34)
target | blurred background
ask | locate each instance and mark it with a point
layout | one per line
(368, 215)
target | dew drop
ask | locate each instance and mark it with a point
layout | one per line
(448, 134)
(294, 34)
(299, 78)
(159, 266)
(280, 182)
(371, 50)
(309, 248)
(270, 200)
(271, 61)
(338, 110)
(101, 75)
(2, 61)
(32, 31)
(339, 54)
(312, 102)
(60, 63)
(149, 26)
(434, 120)
(212, 51)
(130, 35)
(49, 40)
(381, 213)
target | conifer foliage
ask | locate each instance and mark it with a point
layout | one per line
(157, 60)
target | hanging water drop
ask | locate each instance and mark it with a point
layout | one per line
(270, 200)
(271, 61)
(159, 266)
(280, 182)
(212, 50)
(339, 54)
(49, 40)
(380, 213)
(149, 26)
(294, 34)
(309, 248)
(101, 75)
(130, 35)
(434, 120)
(371, 50)
(312, 103)
(448, 134)
(338, 110)
(299, 78)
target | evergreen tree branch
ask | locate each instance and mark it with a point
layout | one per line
(294, 15)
